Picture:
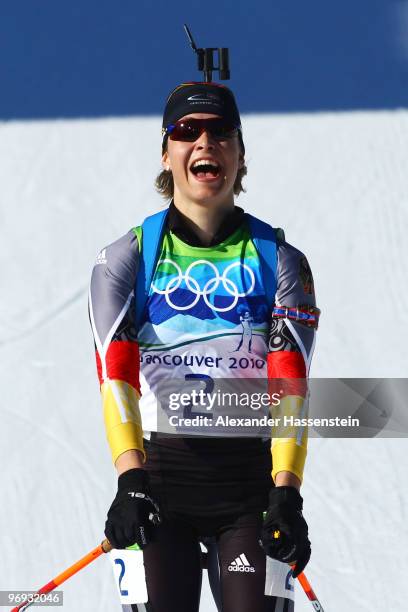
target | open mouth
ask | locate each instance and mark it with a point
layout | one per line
(206, 169)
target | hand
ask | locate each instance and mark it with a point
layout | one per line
(285, 533)
(133, 513)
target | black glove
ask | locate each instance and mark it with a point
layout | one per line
(133, 513)
(284, 533)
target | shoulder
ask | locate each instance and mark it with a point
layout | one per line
(288, 254)
(294, 272)
(122, 247)
(120, 258)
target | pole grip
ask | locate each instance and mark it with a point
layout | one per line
(106, 546)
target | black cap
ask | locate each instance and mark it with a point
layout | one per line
(201, 97)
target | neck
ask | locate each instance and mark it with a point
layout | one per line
(204, 219)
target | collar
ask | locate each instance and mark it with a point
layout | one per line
(176, 223)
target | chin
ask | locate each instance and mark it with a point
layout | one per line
(210, 193)
(208, 196)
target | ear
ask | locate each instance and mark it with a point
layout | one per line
(241, 160)
(166, 161)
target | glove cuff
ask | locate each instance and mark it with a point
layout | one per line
(136, 478)
(286, 495)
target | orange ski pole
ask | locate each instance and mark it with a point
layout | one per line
(305, 584)
(104, 547)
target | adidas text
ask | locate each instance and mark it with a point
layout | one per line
(240, 568)
(241, 564)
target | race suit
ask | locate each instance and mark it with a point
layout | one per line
(206, 317)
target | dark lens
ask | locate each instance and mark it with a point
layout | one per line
(185, 130)
(221, 129)
(190, 129)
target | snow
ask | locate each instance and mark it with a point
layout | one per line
(338, 185)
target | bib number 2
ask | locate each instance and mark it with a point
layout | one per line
(129, 575)
(189, 413)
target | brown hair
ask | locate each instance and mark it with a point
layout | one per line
(165, 185)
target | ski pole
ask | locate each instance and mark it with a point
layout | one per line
(104, 547)
(305, 584)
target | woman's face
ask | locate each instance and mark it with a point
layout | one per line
(203, 187)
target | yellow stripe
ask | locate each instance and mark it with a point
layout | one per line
(288, 456)
(126, 436)
(289, 444)
(122, 417)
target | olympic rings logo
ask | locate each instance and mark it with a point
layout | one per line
(210, 286)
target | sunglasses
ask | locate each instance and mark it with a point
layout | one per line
(188, 130)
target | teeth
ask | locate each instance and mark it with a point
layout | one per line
(205, 162)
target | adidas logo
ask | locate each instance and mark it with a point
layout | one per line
(240, 564)
(101, 259)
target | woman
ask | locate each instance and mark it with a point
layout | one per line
(206, 318)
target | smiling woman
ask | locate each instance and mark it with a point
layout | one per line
(204, 169)
(192, 127)
(210, 314)
(204, 151)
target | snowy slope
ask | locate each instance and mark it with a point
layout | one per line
(338, 185)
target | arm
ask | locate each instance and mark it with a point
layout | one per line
(287, 479)
(111, 310)
(291, 345)
(285, 532)
(133, 513)
(128, 460)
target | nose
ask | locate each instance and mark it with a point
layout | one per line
(205, 141)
